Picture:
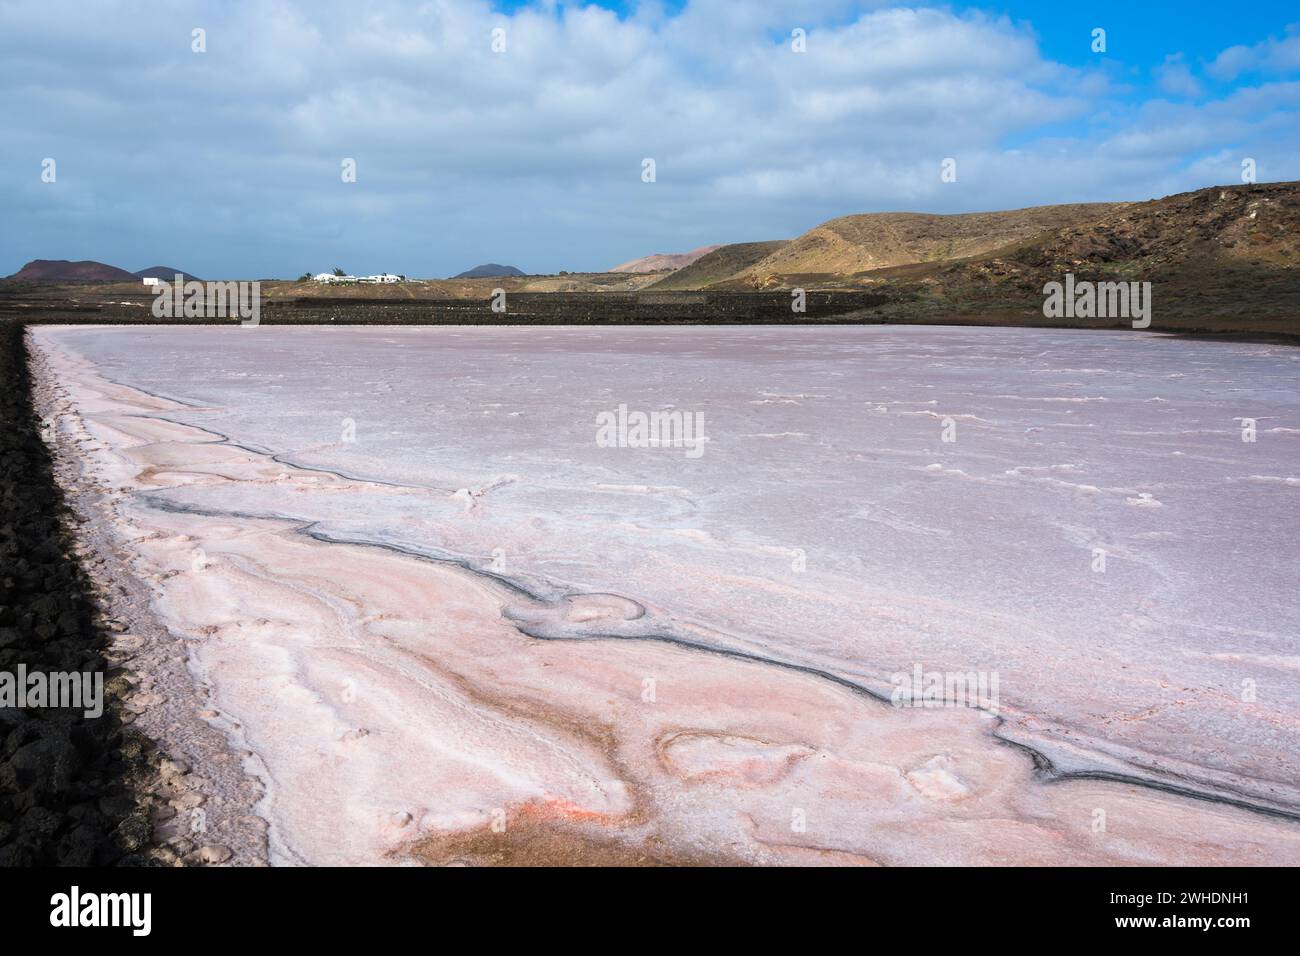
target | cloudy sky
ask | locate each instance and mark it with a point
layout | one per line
(229, 162)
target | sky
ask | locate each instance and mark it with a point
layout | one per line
(232, 161)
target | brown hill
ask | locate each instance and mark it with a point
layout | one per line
(61, 270)
(721, 264)
(853, 244)
(664, 260)
(1224, 258)
(1229, 225)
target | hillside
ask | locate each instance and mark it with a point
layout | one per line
(720, 264)
(1218, 258)
(1256, 225)
(861, 243)
(664, 260)
(61, 270)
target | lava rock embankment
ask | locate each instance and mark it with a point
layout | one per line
(67, 781)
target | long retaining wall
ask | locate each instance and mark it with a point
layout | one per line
(556, 308)
(517, 308)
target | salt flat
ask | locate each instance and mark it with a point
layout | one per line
(1074, 513)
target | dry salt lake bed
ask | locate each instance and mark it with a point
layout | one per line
(436, 620)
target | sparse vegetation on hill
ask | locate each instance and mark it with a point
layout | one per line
(1219, 256)
(1256, 225)
(863, 243)
(721, 264)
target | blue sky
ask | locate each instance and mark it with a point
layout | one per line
(1146, 30)
(227, 162)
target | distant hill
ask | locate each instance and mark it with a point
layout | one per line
(61, 270)
(665, 260)
(489, 270)
(162, 272)
(720, 264)
(861, 243)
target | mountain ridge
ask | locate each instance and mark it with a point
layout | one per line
(665, 260)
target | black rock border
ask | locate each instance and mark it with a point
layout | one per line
(71, 787)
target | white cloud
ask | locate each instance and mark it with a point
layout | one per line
(230, 159)
(1268, 56)
(1176, 79)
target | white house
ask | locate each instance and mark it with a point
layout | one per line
(385, 278)
(151, 281)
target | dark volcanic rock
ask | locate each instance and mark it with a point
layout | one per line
(67, 782)
(166, 273)
(489, 270)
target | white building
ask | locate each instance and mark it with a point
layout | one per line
(385, 278)
(151, 281)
